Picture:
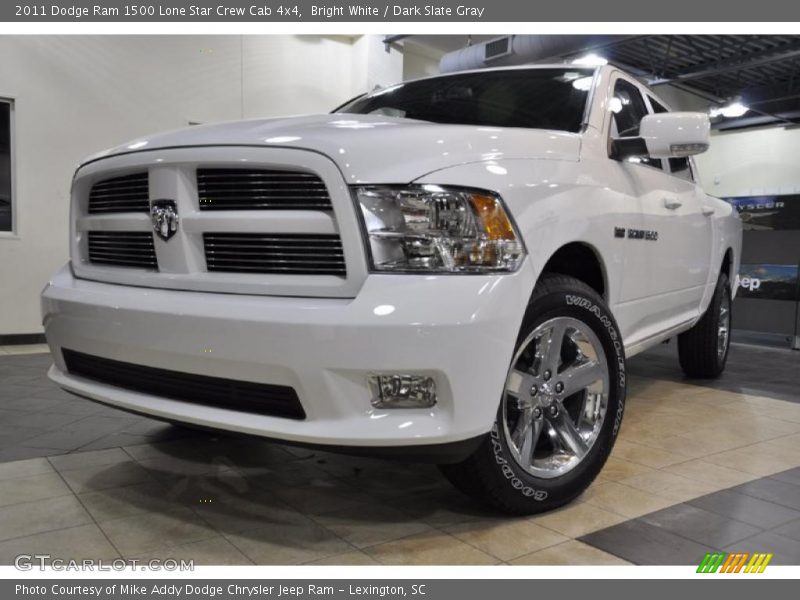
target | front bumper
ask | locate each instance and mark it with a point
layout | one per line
(460, 330)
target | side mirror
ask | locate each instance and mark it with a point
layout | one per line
(666, 135)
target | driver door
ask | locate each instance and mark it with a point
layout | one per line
(667, 262)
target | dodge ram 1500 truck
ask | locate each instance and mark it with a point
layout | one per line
(452, 269)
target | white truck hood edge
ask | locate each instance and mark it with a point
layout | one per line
(370, 148)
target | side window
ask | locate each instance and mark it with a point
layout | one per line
(6, 220)
(680, 167)
(628, 108)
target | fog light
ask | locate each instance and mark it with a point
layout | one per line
(402, 391)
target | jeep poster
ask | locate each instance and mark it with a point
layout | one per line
(769, 282)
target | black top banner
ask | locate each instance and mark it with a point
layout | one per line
(299, 11)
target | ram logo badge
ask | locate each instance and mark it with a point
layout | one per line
(164, 215)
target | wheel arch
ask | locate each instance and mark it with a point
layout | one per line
(727, 267)
(727, 262)
(582, 261)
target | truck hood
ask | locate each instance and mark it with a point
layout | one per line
(371, 148)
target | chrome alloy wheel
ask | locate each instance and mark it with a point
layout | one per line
(556, 397)
(723, 326)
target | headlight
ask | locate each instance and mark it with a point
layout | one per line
(431, 229)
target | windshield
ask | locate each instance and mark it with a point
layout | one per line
(551, 98)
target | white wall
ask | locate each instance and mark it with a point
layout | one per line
(75, 95)
(419, 62)
(752, 162)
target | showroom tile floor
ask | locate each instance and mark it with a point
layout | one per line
(696, 468)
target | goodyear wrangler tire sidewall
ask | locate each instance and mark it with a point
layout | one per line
(551, 493)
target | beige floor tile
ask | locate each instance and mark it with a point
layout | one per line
(572, 552)
(717, 475)
(74, 543)
(369, 524)
(617, 468)
(33, 487)
(575, 520)
(232, 512)
(290, 542)
(645, 455)
(25, 349)
(355, 558)
(746, 431)
(116, 503)
(430, 548)
(758, 459)
(625, 500)
(662, 424)
(139, 533)
(669, 485)
(30, 518)
(694, 446)
(292, 474)
(165, 467)
(326, 497)
(441, 508)
(790, 412)
(24, 468)
(83, 460)
(101, 477)
(506, 537)
(214, 551)
(790, 441)
(787, 447)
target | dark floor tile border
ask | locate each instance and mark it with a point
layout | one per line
(641, 538)
(14, 339)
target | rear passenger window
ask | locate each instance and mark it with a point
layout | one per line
(628, 108)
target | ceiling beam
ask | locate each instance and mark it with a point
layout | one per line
(769, 93)
(755, 59)
(643, 75)
(785, 118)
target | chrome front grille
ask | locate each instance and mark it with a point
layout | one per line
(261, 189)
(287, 254)
(128, 193)
(242, 220)
(122, 249)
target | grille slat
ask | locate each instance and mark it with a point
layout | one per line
(261, 189)
(297, 254)
(128, 193)
(245, 396)
(122, 248)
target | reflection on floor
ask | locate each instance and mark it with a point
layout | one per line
(696, 468)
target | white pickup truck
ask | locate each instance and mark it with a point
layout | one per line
(452, 269)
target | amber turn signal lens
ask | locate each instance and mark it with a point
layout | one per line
(496, 225)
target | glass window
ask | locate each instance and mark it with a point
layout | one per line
(681, 167)
(629, 108)
(657, 106)
(531, 98)
(6, 221)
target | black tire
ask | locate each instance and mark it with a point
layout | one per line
(698, 350)
(491, 474)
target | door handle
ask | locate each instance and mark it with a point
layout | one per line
(672, 203)
(707, 211)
